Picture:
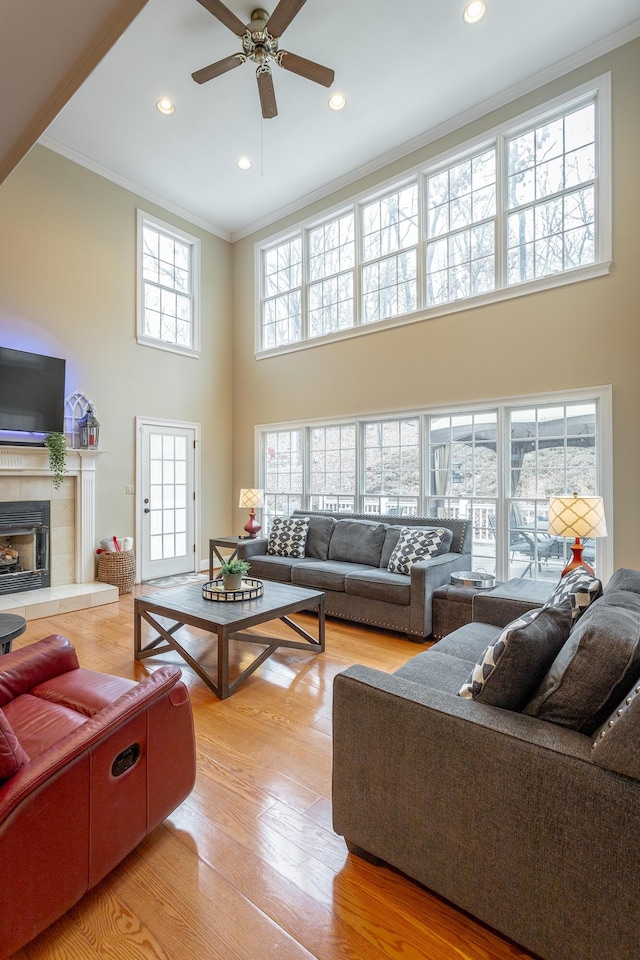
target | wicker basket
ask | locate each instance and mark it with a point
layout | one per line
(118, 569)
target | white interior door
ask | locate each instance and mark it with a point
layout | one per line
(167, 498)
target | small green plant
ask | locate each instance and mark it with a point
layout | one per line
(57, 446)
(231, 567)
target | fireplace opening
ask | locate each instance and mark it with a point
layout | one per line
(24, 546)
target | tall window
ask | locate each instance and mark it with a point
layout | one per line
(282, 469)
(495, 467)
(552, 196)
(168, 287)
(464, 475)
(528, 207)
(461, 209)
(281, 292)
(331, 262)
(389, 239)
(391, 479)
(332, 468)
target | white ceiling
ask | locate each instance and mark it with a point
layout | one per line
(405, 67)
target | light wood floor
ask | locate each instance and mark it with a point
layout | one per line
(248, 867)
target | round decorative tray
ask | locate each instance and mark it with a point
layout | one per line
(214, 590)
(473, 578)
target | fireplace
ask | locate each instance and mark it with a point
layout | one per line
(24, 545)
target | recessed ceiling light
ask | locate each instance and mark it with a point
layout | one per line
(474, 11)
(244, 163)
(165, 106)
(337, 101)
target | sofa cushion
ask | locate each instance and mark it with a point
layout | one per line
(288, 537)
(624, 579)
(596, 667)
(12, 756)
(437, 670)
(323, 574)
(319, 537)
(357, 541)
(392, 536)
(414, 544)
(469, 641)
(377, 584)
(512, 667)
(580, 588)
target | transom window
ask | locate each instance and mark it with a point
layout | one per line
(529, 206)
(496, 467)
(168, 271)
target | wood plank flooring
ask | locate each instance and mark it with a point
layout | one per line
(248, 867)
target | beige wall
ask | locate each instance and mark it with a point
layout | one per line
(585, 334)
(68, 288)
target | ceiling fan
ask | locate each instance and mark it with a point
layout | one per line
(260, 40)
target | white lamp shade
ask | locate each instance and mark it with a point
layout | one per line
(251, 497)
(577, 517)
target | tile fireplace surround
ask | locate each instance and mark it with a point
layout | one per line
(25, 475)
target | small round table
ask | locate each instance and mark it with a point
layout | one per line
(11, 626)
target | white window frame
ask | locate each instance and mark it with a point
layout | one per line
(145, 219)
(597, 90)
(601, 395)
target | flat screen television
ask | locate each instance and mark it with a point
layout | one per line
(31, 395)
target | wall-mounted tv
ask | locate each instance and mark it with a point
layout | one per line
(31, 394)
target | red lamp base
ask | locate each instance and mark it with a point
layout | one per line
(577, 561)
(252, 526)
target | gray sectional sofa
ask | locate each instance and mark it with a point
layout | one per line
(530, 825)
(346, 555)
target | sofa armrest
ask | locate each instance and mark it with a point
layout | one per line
(427, 576)
(23, 669)
(508, 601)
(252, 548)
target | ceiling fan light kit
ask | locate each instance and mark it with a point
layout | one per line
(260, 40)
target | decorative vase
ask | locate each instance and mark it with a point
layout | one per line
(232, 581)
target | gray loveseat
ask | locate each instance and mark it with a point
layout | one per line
(531, 826)
(346, 556)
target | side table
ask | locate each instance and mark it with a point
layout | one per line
(11, 626)
(230, 543)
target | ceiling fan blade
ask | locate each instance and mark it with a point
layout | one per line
(218, 68)
(283, 15)
(224, 15)
(267, 93)
(306, 68)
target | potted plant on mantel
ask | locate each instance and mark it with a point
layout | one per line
(232, 572)
(57, 446)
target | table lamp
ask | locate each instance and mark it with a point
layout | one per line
(578, 517)
(252, 498)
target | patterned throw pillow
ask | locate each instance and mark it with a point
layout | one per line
(414, 545)
(511, 667)
(580, 588)
(287, 537)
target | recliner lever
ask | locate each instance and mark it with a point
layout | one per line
(125, 760)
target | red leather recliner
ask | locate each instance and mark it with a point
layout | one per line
(89, 764)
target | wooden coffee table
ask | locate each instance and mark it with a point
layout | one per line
(183, 606)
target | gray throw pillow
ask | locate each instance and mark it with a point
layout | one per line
(595, 669)
(513, 665)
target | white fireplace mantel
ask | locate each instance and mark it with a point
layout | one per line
(81, 464)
